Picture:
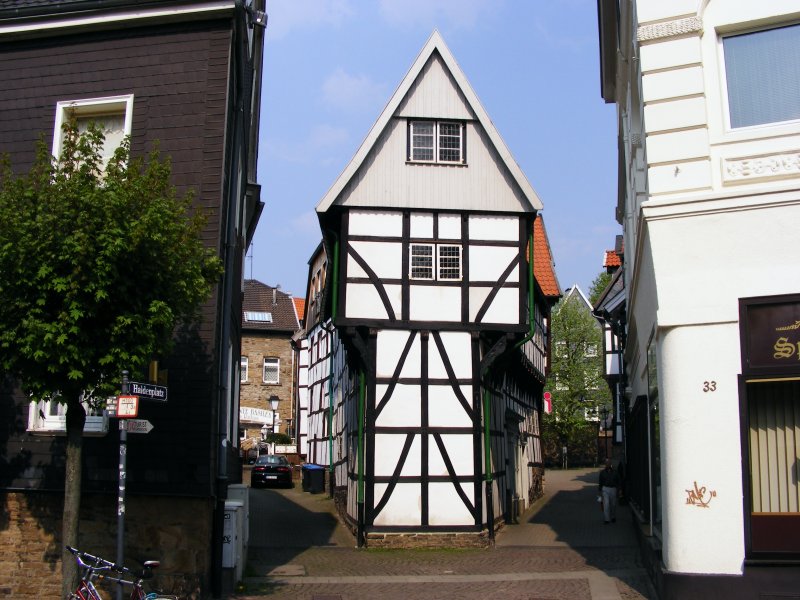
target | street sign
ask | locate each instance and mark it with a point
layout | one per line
(136, 426)
(148, 391)
(123, 407)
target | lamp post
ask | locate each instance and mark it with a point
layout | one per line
(273, 402)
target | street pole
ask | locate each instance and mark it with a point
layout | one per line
(123, 465)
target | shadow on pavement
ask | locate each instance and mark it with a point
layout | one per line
(286, 522)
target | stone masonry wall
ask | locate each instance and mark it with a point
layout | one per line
(254, 393)
(175, 531)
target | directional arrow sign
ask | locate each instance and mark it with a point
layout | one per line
(136, 425)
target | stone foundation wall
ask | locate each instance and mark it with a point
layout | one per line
(429, 540)
(175, 531)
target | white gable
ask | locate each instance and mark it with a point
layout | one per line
(435, 94)
(379, 175)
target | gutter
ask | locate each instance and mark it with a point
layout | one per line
(334, 310)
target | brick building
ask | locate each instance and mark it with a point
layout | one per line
(269, 320)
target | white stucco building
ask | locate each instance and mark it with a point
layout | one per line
(708, 103)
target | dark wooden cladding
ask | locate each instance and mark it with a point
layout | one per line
(179, 76)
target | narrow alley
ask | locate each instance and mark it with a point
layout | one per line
(559, 550)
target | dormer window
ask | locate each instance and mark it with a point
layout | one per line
(436, 142)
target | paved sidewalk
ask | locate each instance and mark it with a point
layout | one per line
(559, 550)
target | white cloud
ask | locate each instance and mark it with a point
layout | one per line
(320, 140)
(352, 93)
(288, 15)
(460, 14)
(306, 223)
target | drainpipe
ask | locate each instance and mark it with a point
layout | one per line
(334, 310)
(487, 461)
(360, 498)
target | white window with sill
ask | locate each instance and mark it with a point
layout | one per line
(114, 114)
(49, 417)
(436, 142)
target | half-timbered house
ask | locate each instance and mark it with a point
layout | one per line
(429, 351)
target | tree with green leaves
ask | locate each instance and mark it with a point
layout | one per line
(98, 265)
(576, 376)
(599, 286)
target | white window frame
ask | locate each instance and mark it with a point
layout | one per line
(412, 266)
(438, 267)
(89, 107)
(724, 88)
(437, 148)
(443, 267)
(49, 417)
(277, 364)
(244, 362)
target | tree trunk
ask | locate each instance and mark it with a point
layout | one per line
(76, 418)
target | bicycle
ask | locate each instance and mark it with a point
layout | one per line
(95, 568)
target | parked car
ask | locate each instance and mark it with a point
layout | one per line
(270, 469)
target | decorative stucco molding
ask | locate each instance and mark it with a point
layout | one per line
(669, 29)
(785, 164)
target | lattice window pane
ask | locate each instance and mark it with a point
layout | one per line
(422, 140)
(421, 261)
(272, 370)
(449, 262)
(449, 142)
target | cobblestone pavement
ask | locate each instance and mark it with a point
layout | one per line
(560, 549)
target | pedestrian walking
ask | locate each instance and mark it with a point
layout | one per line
(609, 487)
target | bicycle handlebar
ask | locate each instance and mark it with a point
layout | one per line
(101, 564)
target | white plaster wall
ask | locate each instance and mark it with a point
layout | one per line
(504, 308)
(444, 408)
(384, 258)
(700, 445)
(434, 303)
(658, 10)
(487, 263)
(390, 344)
(421, 225)
(705, 262)
(403, 409)
(449, 227)
(459, 450)
(376, 223)
(445, 507)
(363, 301)
(403, 507)
(487, 227)
(388, 448)
(458, 346)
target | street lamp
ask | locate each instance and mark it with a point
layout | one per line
(273, 402)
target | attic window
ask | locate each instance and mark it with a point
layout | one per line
(437, 142)
(257, 317)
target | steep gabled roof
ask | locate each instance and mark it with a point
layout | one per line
(544, 270)
(266, 308)
(434, 45)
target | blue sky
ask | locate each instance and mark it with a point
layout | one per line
(330, 66)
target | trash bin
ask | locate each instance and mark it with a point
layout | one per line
(313, 478)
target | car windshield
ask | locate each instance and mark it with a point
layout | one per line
(271, 460)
